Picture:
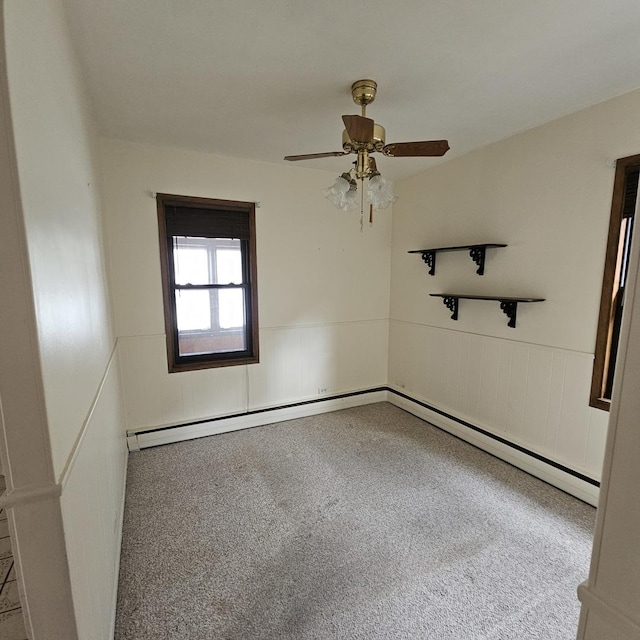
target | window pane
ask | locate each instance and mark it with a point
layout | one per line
(191, 261)
(617, 302)
(231, 308)
(211, 321)
(207, 260)
(229, 264)
(193, 310)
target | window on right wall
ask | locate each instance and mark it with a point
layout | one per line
(623, 214)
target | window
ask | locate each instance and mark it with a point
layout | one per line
(623, 213)
(208, 261)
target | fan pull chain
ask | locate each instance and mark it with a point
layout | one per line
(362, 205)
(371, 215)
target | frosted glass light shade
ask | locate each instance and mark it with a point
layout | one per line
(380, 192)
(342, 194)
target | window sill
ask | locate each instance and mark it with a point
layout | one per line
(600, 403)
(212, 364)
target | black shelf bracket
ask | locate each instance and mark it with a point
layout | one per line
(510, 309)
(477, 255)
(429, 258)
(451, 302)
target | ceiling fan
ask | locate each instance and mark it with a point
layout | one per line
(363, 136)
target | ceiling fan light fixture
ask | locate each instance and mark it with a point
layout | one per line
(343, 193)
(380, 192)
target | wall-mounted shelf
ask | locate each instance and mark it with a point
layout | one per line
(508, 304)
(476, 251)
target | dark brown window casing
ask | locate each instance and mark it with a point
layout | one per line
(623, 208)
(210, 227)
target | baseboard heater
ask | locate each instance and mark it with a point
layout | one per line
(155, 436)
(546, 469)
(569, 480)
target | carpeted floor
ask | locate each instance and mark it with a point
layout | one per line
(363, 523)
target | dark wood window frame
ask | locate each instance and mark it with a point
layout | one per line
(610, 306)
(218, 221)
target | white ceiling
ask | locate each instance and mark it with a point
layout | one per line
(261, 79)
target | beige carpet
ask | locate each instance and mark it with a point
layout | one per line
(363, 523)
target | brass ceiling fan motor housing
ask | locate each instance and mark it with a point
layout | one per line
(376, 144)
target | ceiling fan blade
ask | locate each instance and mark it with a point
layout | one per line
(359, 128)
(312, 156)
(416, 149)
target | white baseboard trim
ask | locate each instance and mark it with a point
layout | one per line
(608, 613)
(143, 438)
(563, 480)
(119, 529)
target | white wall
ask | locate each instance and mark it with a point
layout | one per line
(323, 287)
(547, 194)
(59, 190)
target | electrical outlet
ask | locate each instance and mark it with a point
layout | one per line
(322, 389)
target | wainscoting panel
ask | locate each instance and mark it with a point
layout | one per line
(303, 363)
(92, 505)
(154, 397)
(297, 363)
(534, 396)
